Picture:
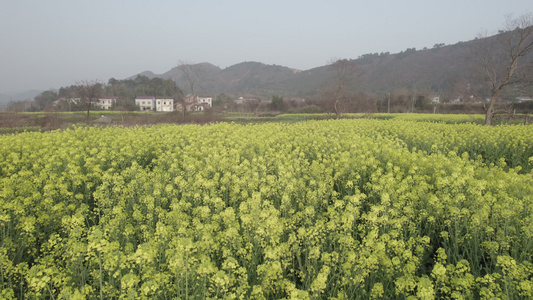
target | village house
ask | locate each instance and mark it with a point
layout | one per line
(188, 102)
(145, 103)
(205, 101)
(195, 103)
(164, 104)
(106, 102)
(67, 100)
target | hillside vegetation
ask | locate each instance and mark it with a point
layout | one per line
(436, 69)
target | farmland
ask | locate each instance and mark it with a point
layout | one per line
(320, 209)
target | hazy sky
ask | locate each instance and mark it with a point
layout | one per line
(55, 43)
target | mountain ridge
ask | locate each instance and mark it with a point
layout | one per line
(442, 70)
(435, 69)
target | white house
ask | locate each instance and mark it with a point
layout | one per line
(435, 99)
(164, 104)
(145, 103)
(204, 100)
(195, 103)
(106, 102)
(68, 100)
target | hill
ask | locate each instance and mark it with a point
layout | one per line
(252, 78)
(434, 69)
(438, 70)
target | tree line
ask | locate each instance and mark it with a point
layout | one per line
(125, 90)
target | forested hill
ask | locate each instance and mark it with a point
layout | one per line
(438, 69)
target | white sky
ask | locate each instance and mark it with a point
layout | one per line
(55, 43)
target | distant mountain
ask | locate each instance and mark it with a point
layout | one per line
(438, 70)
(148, 74)
(431, 69)
(247, 78)
(243, 78)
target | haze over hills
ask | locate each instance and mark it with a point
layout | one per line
(434, 69)
(28, 95)
(437, 69)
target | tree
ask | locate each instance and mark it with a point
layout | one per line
(504, 61)
(277, 103)
(19, 106)
(88, 92)
(222, 101)
(345, 72)
(171, 89)
(193, 73)
(45, 99)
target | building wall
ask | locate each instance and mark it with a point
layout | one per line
(145, 103)
(106, 103)
(164, 104)
(208, 100)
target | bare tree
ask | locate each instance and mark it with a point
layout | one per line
(345, 73)
(193, 73)
(504, 61)
(88, 92)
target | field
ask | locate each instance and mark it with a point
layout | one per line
(13, 122)
(390, 208)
